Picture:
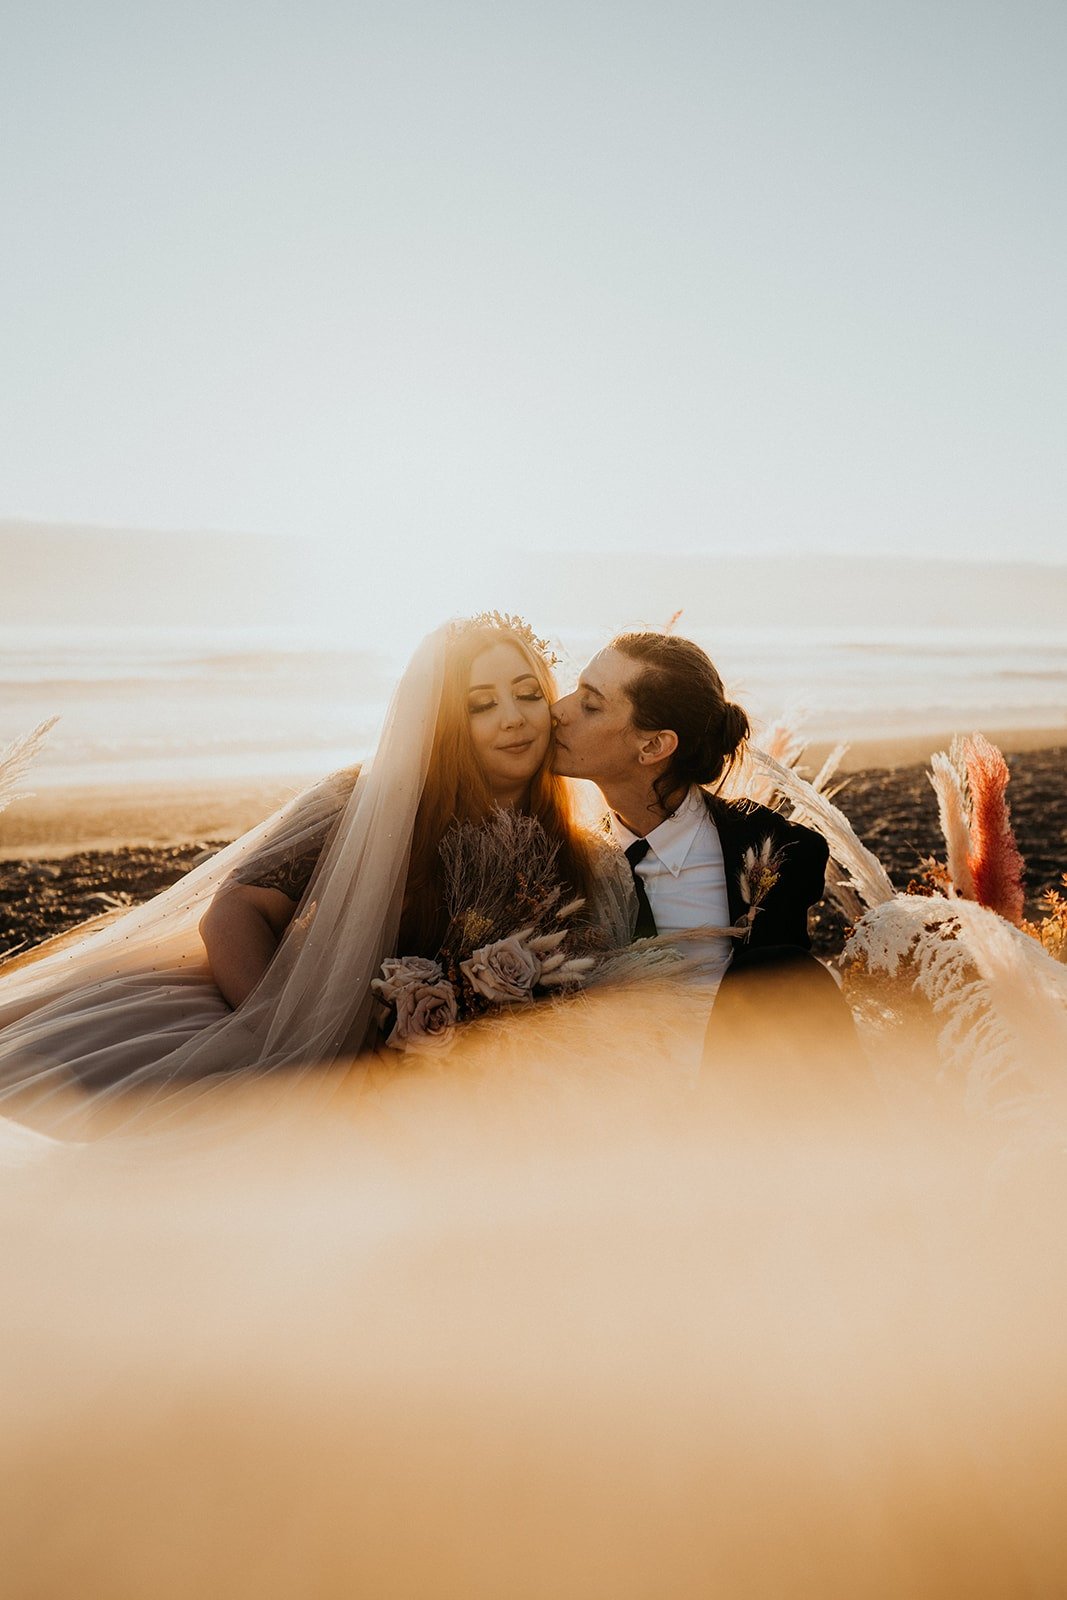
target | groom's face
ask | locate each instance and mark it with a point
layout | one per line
(595, 733)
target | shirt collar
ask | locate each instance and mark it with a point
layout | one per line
(672, 839)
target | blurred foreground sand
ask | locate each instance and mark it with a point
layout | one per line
(573, 1327)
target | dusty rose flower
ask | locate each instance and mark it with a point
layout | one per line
(425, 1017)
(401, 973)
(506, 970)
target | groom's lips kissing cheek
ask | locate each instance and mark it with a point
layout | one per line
(593, 722)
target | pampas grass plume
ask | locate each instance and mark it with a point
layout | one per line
(866, 873)
(955, 822)
(16, 759)
(995, 863)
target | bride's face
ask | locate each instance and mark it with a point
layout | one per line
(510, 722)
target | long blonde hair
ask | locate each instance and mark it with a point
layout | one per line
(457, 790)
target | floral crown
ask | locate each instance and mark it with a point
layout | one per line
(504, 622)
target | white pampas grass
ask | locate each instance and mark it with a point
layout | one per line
(781, 741)
(1001, 998)
(866, 875)
(916, 937)
(17, 758)
(821, 781)
(785, 744)
(947, 778)
(787, 747)
(840, 892)
(1026, 991)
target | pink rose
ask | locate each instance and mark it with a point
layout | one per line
(425, 1017)
(504, 971)
(401, 973)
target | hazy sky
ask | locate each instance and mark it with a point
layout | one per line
(456, 280)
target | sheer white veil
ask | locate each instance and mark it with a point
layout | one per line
(130, 1009)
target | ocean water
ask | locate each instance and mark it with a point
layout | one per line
(141, 704)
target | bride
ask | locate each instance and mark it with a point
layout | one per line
(262, 958)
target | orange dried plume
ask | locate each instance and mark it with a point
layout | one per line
(995, 863)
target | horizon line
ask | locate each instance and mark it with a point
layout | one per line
(816, 552)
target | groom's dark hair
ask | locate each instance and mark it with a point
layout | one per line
(679, 688)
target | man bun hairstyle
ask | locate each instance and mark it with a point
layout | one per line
(679, 688)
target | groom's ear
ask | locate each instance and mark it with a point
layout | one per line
(658, 747)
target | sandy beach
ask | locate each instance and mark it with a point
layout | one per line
(73, 854)
(554, 1321)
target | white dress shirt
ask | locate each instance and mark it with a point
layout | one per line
(684, 876)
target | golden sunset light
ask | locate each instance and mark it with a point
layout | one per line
(533, 835)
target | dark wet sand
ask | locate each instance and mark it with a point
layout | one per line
(73, 856)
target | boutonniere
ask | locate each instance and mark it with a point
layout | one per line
(760, 870)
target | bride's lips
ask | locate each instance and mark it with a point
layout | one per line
(516, 749)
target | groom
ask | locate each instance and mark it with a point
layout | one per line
(650, 724)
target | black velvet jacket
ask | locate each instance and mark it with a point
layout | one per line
(783, 915)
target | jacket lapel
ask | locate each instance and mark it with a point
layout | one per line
(734, 825)
(734, 830)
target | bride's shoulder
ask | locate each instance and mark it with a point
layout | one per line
(609, 887)
(326, 796)
(595, 828)
(602, 853)
(283, 851)
(338, 786)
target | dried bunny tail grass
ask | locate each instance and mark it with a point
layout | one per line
(953, 814)
(1001, 998)
(17, 758)
(995, 863)
(866, 875)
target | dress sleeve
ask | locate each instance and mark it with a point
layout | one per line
(287, 856)
(291, 874)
